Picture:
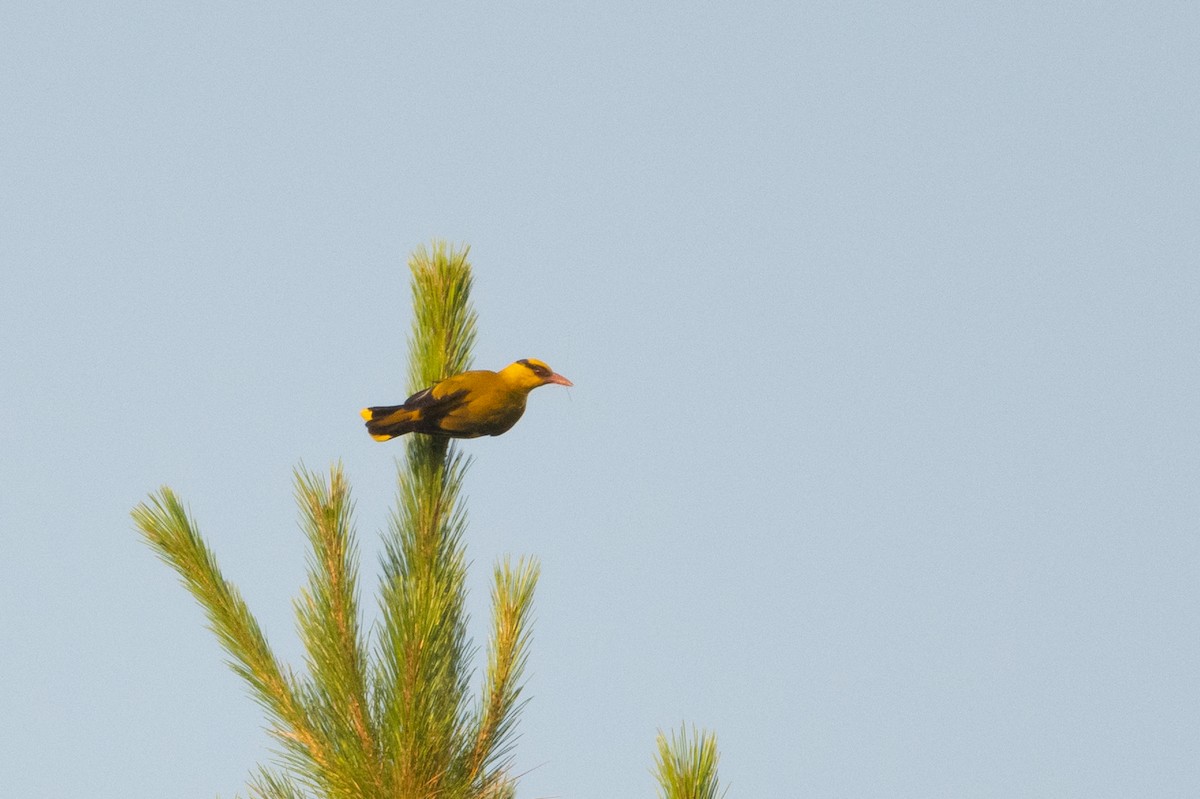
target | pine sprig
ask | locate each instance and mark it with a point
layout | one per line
(443, 328)
(328, 619)
(423, 648)
(164, 522)
(508, 652)
(687, 765)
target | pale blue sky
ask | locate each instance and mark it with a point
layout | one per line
(883, 455)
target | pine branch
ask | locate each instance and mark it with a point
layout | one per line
(443, 328)
(170, 532)
(687, 765)
(328, 617)
(508, 652)
(423, 640)
(423, 649)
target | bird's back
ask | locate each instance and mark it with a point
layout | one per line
(484, 403)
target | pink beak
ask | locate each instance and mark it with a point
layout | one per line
(559, 379)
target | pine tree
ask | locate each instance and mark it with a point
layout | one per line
(388, 714)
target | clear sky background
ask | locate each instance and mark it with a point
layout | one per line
(883, 456)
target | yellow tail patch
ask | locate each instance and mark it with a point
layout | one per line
(365, 413)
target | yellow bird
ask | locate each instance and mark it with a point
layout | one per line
(467, 405)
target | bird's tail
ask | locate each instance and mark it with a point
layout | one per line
(389, 421)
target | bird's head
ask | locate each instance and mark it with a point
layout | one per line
(529, 373)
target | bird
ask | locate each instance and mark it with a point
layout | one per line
(467, 405)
